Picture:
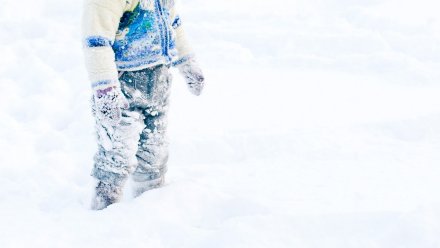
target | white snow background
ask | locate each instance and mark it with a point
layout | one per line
(319, 128)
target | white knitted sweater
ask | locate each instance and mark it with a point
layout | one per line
(129, 35)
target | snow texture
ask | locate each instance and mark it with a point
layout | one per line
(193, 76)
(319, 126)
(137, 146)
(107, 105)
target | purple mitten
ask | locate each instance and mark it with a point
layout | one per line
(109, 103)
(193, 76)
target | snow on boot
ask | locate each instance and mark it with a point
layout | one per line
(105, 195)
(140, 187)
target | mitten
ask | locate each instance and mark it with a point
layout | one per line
(193, 76)
(108, 105)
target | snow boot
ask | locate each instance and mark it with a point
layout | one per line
(105, 195)
(140, 187)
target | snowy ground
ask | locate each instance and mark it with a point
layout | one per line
(319, 127)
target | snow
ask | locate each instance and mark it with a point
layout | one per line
(319, 127)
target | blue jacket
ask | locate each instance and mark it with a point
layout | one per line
(129, 35)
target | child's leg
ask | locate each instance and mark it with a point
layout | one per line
(152, 154)
(150, 90)
(116, 157)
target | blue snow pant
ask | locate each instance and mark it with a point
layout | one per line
(137, 146)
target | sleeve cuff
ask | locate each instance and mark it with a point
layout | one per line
(182, 60)
(104, 84)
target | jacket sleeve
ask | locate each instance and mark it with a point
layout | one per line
(183, 48)
(100, 23)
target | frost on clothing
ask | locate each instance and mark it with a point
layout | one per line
(109, 103)
(130, 35)
(138, 145)
(145, 37)
(193, 76)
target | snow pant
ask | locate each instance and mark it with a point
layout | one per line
(137, 146)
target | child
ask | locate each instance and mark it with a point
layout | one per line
(129, 48)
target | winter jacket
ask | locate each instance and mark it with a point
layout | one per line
(130, 35)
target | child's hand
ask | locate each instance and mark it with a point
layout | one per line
(193, 76)
(108, 105)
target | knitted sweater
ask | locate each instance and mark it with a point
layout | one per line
(129, 35)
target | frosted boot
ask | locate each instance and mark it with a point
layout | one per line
(105, 195)
(140, 187)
